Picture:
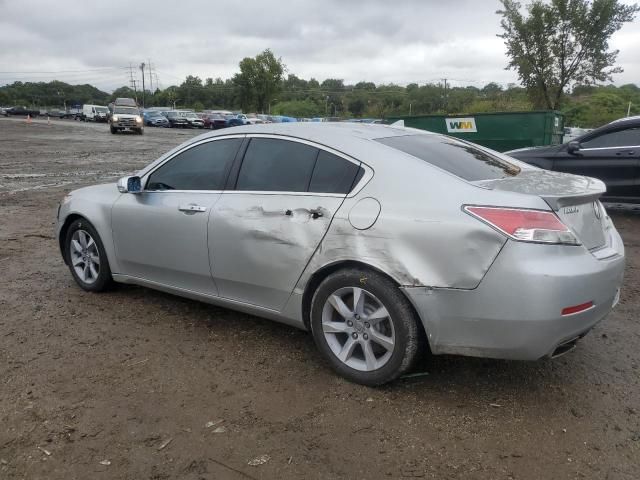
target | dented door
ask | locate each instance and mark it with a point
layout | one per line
(260, 243)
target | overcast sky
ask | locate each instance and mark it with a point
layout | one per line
(400, 41)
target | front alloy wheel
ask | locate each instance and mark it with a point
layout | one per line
(84, 256)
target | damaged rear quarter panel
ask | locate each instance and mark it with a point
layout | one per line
(421, 237)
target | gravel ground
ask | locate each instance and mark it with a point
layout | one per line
(139, 384)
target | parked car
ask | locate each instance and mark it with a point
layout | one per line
(233, 121)
(94, 113)
(176, 119)
(194, 120)
(214, 121)
(377, 240)
(610, 153)
(56, 113)
(155, 119)
(126, 118)
(22, 111)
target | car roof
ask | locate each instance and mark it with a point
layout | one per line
(324, 132)
(352, 139)
(624, 119)
(615, 125)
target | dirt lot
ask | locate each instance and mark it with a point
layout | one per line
(124, 384)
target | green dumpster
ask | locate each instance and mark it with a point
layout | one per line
(500, 131)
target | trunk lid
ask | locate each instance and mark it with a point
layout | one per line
(572, 197)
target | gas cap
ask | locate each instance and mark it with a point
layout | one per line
(364, 213)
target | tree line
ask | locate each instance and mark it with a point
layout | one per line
(585, 106)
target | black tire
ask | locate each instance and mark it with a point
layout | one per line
(113, 130)
(406, 325)
(103, 280)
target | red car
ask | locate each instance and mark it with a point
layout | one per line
(214, 121)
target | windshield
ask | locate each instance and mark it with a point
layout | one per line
(126, 110)
(463, 159)
(102, 109)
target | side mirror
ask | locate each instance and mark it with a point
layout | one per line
(573, 146)
(130, 185)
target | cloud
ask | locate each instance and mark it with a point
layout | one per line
(374, 40)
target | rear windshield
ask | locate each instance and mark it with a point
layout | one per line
(460, 158)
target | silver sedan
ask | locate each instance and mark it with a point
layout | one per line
(382, 241)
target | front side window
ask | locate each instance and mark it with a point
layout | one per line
(629, 137)
(273, 165)
(203, 167)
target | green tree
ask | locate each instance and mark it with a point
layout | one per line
(123, 92)
(560, 42)
(297, 108)
(259, 80)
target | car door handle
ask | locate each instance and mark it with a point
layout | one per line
(192, 208)
(628, 152)
(316, 213)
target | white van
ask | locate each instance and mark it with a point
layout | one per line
(94, 113)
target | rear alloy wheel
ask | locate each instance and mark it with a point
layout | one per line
(86, 257)
(364, 326)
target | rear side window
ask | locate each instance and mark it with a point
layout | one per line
(203, 167)
(459, 158)
(272, 165)
(333, 174)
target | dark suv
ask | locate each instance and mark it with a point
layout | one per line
(610, 153)
(176, 119)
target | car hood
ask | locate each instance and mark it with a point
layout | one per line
(125, 115)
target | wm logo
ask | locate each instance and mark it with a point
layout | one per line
(461, 125)
(458, 125)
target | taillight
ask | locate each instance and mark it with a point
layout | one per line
(538, 226)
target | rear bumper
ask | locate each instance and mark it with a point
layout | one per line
(515, 312)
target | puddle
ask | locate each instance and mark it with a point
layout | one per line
(17, 176)
(40, 187)
(23, 182)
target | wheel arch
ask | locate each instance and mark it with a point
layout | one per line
(63, 233)
(319, 275)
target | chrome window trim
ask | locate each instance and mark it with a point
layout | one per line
(366, 177)
(608, 148)
(152, 168)
(368, 170)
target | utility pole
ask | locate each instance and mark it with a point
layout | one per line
(150, 77)
(132, 82)
(142, 69)
(446, 100)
